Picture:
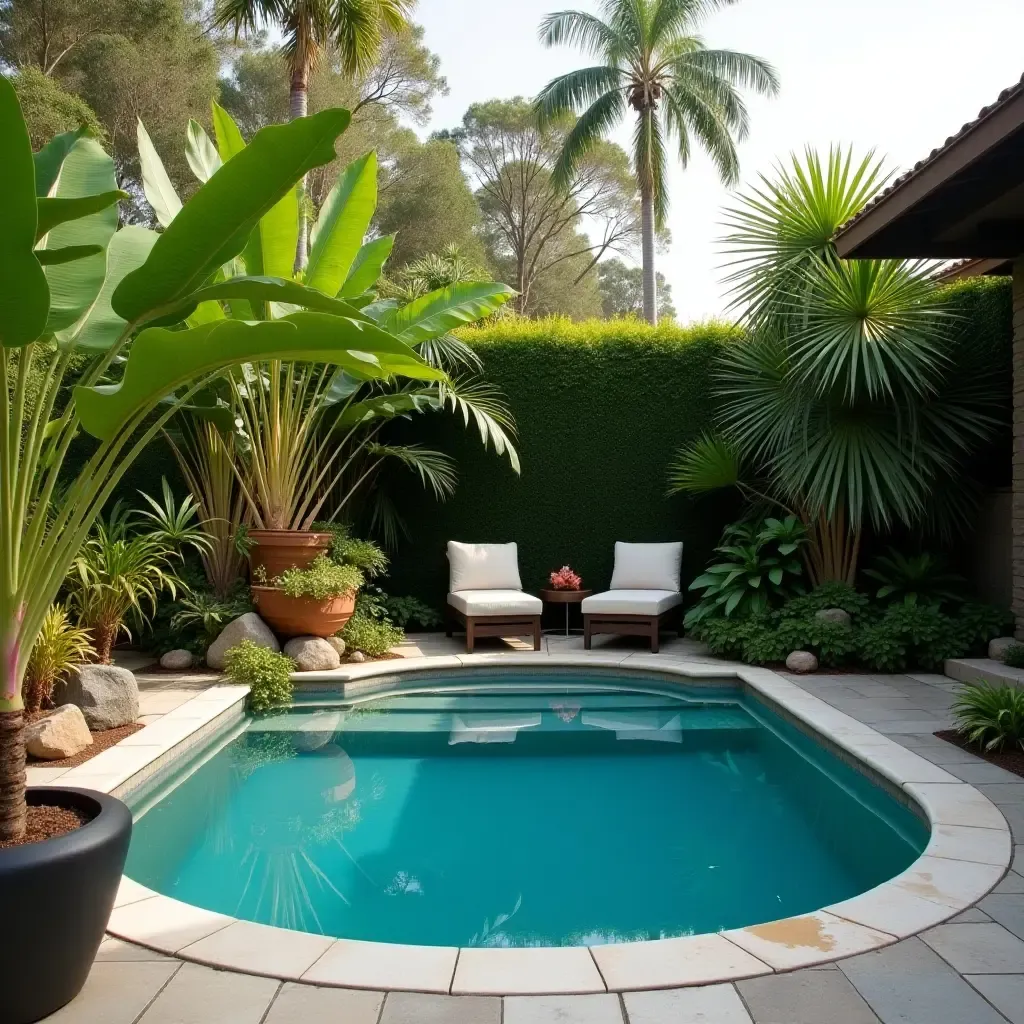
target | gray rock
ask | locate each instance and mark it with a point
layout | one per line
(802, 661)
(312, 654)
(357, 656)
(62, 733)
(107, 695)
(176, 659)
(338, 644)
(246, 627)
(836, 615)
(997, 648)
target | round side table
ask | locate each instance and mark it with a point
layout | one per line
(564, 597)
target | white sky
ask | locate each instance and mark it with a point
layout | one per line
(899, 75)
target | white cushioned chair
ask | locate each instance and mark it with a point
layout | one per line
(643, 591)
(485, 593)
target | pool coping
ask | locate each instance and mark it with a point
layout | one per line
(969, 851)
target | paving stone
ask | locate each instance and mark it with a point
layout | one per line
(118, 949)
(972, 916)
(1007, 909)
(1004, 991)
(710, 1004)
(311, 1004)
(1012, 883)
(419, 1008)
(805, 997)
(594, 1009)
(910, 984)
(984, 773)
(115, 993)
(977, 948)
(199, 995)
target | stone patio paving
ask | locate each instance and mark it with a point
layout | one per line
(968, 971)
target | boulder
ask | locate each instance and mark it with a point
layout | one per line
(997, 648)
(176, 659)
(107, 695)
(836, 615)
(312, 654)
(802, 661)
(62, 733)
(357, 656)
(338, 644)
(246, 627)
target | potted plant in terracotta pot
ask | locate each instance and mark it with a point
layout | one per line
(315, 601)
(62, 850)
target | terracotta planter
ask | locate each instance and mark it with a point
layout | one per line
(302, 616)
(277, 550)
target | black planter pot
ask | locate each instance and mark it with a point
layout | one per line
(55, 900)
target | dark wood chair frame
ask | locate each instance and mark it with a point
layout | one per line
(626, 625)
(493, 625)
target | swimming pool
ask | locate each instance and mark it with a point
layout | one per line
(570, 809)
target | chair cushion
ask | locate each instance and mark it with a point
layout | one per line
(495, 602)
(631, 602)
(483, 566)
(647, 566)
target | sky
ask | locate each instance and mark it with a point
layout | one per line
(898, 76)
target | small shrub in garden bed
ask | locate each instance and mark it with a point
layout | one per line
(265, 672)
(991, 717)
(323, 579)
(374, 637)
(1014, 656)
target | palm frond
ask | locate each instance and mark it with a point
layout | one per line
(483, 405)
(743, 70)
(710, 463)
(435, 469)
(578, 28)
(694, 109)
(651, 163)
(598, 119)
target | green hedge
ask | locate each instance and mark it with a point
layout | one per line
(600, 407)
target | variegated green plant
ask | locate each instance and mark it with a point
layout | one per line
(143, 311)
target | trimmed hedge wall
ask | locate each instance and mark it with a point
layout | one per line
(600, 407)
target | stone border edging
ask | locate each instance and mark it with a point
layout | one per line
(968, 853)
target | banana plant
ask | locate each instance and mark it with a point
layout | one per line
(134, 306)
(311, 434)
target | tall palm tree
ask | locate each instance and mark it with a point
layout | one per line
(351, 29)
(652, 62)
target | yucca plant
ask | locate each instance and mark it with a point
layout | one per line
(59, 646)
(991, 717)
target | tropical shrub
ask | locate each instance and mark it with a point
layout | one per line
(922, 577)
(198, 617)
(760, 569)
(59, 646)
(406, 611)
(265, 672)
(992, 717)
(322, 580)
(374, 637)
(139, 316)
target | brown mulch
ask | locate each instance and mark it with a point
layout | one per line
(44, 822)
(1011, 760)
(100, 742)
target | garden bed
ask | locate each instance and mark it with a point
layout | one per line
(1010, 760)
(100, 741)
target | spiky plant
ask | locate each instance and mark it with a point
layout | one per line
(59, 646)
(991, 717)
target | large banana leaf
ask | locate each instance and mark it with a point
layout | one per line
(162, 361)
(387, 407)
(216, 223)
(440, 311)
(367, 266)
(49, 159)
(51, 257)
(156, 184)
(24, 295)
(344, 219)
(229, 139)
(86, 171)
(101, 326)
(53, 211)
(200, 152)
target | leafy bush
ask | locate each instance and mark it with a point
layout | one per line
(916, 578)
(991, 716)
(265, 672)
(59, 646)
(374, 637)
(1014, 656)
(201, 615)
(760, 569)
(323, 579)
(404, 611)
(828, 595)
(349, 550)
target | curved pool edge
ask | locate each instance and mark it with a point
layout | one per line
(969, 851)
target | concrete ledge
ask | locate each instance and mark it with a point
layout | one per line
(983, 670)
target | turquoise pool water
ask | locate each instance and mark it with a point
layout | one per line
(527, 810)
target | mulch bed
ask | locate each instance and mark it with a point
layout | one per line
(100, 742)
(45, 822)
(1011, 760)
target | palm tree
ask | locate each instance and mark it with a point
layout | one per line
(352, 30)
(652, 62)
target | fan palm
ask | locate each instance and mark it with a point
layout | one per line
(352, 30)
(652, 61)
(848, 404)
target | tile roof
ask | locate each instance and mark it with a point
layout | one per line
(985, 112)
